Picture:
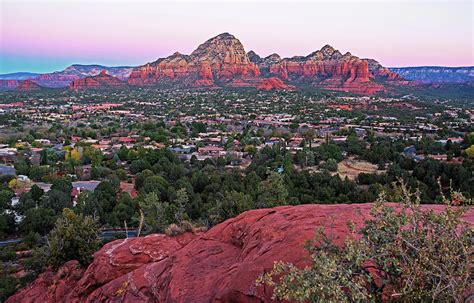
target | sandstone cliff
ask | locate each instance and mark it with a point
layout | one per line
(101, 81)
(219, 60)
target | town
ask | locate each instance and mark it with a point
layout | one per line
(147, 160)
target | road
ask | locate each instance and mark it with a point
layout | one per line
(104, 234)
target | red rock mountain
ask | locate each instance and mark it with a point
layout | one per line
(101, 81)
(328, 69)
(28, 86)
(218, 61)
(220, 265)
(222, 61)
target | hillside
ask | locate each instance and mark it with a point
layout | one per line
(220, 265)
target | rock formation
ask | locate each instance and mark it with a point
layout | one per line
(328, 69)
(273, 83)
(9, 84)
(77, 71)
(219, 60)
(28, 86)
(222, 61)
(101, 81)
(220, 265)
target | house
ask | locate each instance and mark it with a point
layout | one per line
(210, 150)
(43, 141)
(79, 186)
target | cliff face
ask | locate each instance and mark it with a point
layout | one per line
(220, 265)
(217, 61)
(100, 81)
(329, 69)
(28, 86)
(222, 61)
(9, 84)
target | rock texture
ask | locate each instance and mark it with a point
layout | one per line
(273, 83)
(28, 86)
(101, 81)
(220, 265)
(219, 60)
(328, 69)
(222, 61)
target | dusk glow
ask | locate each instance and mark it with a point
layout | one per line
(43, 36)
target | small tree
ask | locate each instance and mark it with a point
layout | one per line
(182, 200)
(272, 192)
(404, 255)
(75, 237)
(157, 215)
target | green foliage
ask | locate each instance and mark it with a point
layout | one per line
(36, 193)
(7, 285)
(6, 196)
(330, 165)
(7, 224)
(407, 254)
(230, 205)
(40, 220)
(56, 200)
(272, 192)
(75, 237)
(157, 215)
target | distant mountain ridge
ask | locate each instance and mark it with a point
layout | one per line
(18, 76)
(64, 78)
(222, 61)
(78, 71)
(436, 74)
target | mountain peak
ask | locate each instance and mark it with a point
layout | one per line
(327, 50)
(253, 57)
(221, 48)
(224, 36)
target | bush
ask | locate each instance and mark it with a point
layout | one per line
(187, 226)
(173, 230)
(75, 237)
(406, 254)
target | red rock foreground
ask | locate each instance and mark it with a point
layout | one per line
(220, 265)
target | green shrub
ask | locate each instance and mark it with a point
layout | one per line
(75, 237)
(404, 255)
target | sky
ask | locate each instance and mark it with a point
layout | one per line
(49, 35)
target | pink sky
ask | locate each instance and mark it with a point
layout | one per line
(44, 36)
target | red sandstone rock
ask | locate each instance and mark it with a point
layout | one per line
(273, 83)
(220, 59)
(328, 69)
(220, 265)
(28, 86)
(100, 81)
(9, 84)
